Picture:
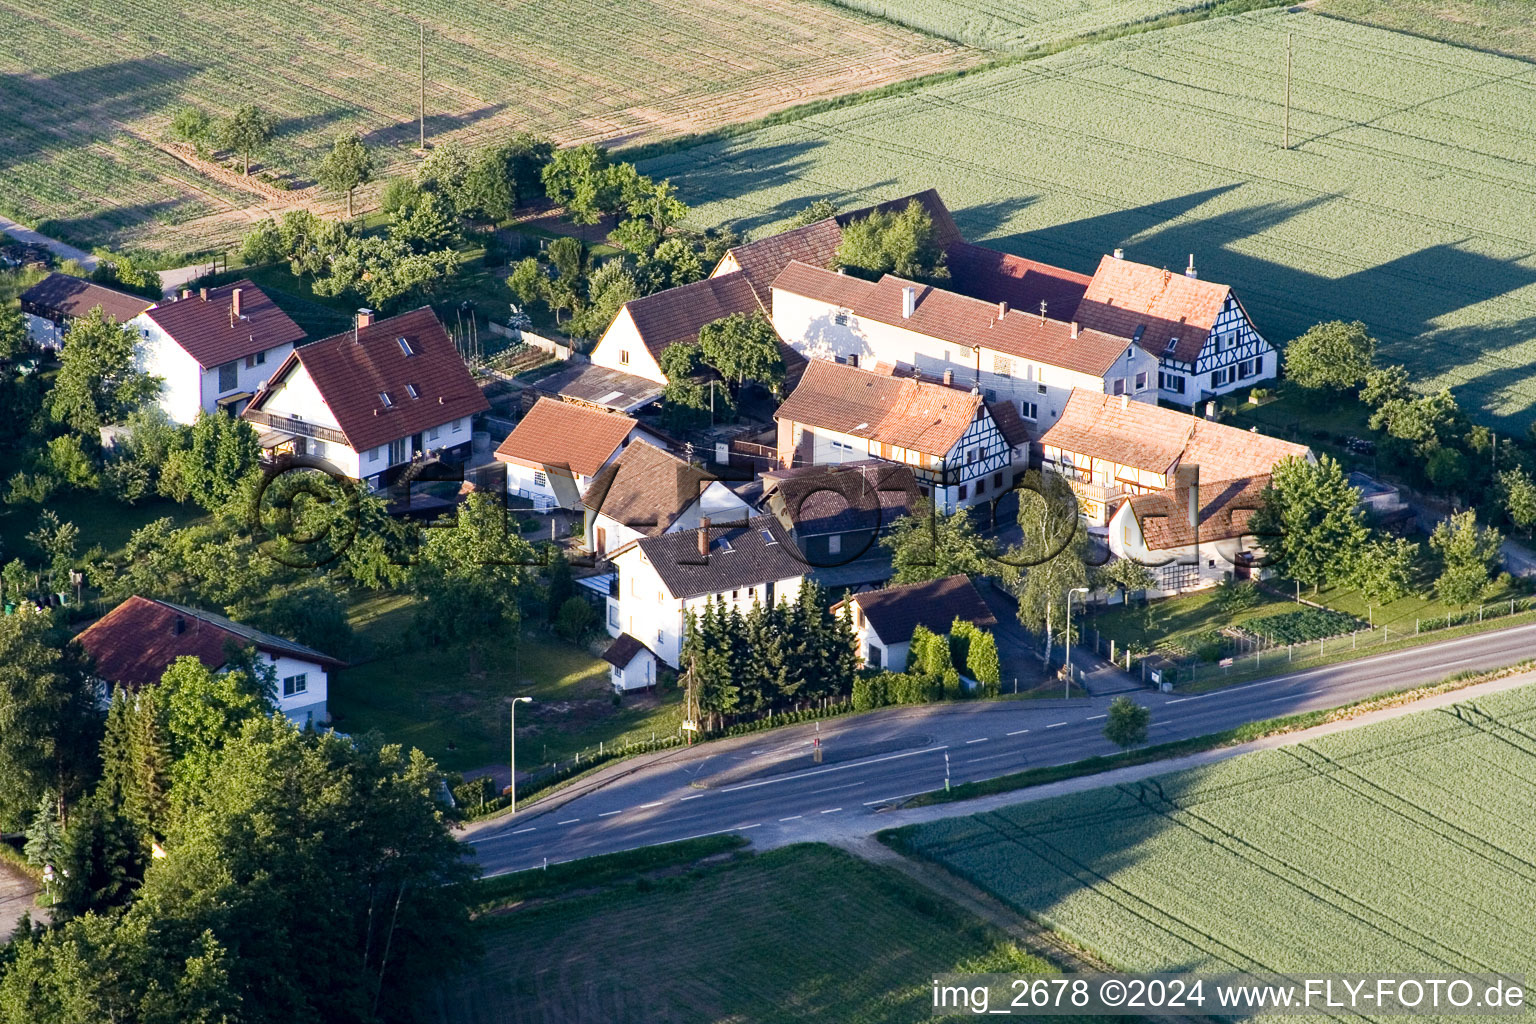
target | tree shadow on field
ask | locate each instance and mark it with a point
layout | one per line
(79, 107)
(409, 132)
(1401, 300)
(714, 172)
(82, 231)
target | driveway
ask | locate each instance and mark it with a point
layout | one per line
(62, 250)
(16, 894)
(1019, 651)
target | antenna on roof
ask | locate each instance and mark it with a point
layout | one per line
(1042, 312)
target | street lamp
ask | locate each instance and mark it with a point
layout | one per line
(512, 761)
(1074, 590)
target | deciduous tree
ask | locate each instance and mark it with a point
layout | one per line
(247, 131)
(348, 165)
(98, 382)
(742, 347)
(1470, 554)
(1127, 723)
(1334, 355)
(1310, 521)
(929, 545)
(893, 242)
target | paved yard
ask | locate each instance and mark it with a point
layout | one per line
(16, 893)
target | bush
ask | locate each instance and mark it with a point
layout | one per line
(575, 620)
(472, 795)
(1127, 722)
(125, 480)
(1235, 595)
(30, 487)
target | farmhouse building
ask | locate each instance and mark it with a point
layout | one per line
(372, 400)
(1191, 535)
(661, 579)
(215, 349)
(558, 447)
(57, 299)
(1199, 332)
(1010, 355)
(946, 436)
(647, 492)
(1108, 447)
(645, 327)
(134, 643)
(885, 619)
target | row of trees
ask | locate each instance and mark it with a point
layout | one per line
(247, 131)
(1427, 440)
(768, 658)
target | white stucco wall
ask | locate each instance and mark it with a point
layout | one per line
(189, 388)
(621, 348)
(1038, 390)
(310, 705)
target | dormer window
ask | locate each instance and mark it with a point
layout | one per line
(1173, 343)
(410, 389)
(389, 403)
(405, 347)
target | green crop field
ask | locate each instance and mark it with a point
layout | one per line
(1407, 200)
(1409, 845)
(1017, 25)
(801, 934)
(87, 87)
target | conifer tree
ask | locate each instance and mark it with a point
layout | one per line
(152, 765)
(45, 841)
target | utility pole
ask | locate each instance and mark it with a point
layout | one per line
(1288, 90)
(421, 100)
(512, 752)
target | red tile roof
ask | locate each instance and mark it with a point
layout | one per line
(556, 433)
(982, 273)
(675, 315)
(209, 331)
(66, 296)
(1125, 296)
(1227, 508)
(899, 411)
(966, 322)
(762, 261)
(1151, 438)
(352, 371)
(135, 642)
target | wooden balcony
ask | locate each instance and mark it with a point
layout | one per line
(298, 428)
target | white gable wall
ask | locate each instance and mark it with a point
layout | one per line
(188, 388)
(622, 348)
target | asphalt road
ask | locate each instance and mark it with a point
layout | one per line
(772, 783)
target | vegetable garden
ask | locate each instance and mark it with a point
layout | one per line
(1411, 843)
(1405, 199)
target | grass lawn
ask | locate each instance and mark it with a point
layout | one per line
(433, 698)
(102, 520)
(804, 933)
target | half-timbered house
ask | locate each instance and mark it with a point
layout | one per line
(947, 436)
(1202, 337)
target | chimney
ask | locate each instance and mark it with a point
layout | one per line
(908, 302)
(1074, 328)
(364, 317)
(1119, 254)
(1002, 310)
(234, 302)
(180, 626)
(1189, 271)
(203, 293)
(704, 537)
(949, 377)
(842, 271)
(853, 359)
(186, 293)
(1125, 400)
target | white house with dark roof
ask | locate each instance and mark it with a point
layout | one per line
(58, 299)
(1192, 535)
(885, 619)
(631, 664)
(371, 400)
(661, 579)
(1203, 339)
(645, 327)
(1011, 355)
(946, 436)
(648, 492)
(556, 449)
(213, 349)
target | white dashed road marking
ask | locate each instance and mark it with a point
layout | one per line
(568, 821)
(831, 810)
(1018, 732)
(1056, 725)
(793, 817)
(979, 739)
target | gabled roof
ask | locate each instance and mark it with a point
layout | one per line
(354, 370)
(645, 488)
(1125, 297)
(210, 332)
(895, 612)
(1006, 416)
(899, 411)
(740, 555)
(960, 320)
(675, 315)
(556, 433)
(1151, 438)
(72, 296)
(862, 496)
(993, 276)
(1227, 508)
(624, 650)
(135, 642)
